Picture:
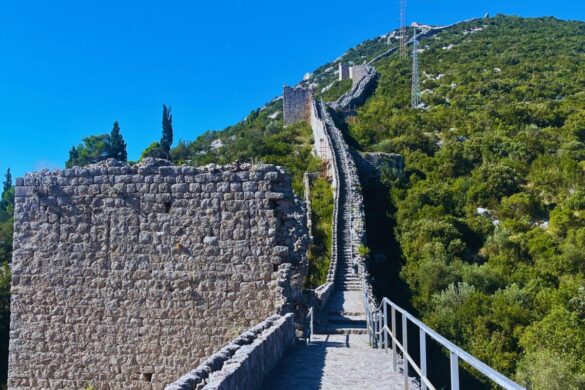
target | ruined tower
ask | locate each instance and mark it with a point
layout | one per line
(296, 105)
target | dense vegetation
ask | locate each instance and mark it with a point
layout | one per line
(336, 90)
(261, 137)
(490, 216)
(96, 148)
(322, 218)
(6, 223)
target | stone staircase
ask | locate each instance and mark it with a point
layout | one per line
(344, 313)
(339, 355)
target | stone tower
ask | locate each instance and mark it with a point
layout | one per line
(296, 105)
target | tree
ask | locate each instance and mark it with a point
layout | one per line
(117, 144)
(153, 150)
(94, 149)
(167, 131)
(7, 181)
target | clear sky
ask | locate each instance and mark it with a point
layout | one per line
(69, 69)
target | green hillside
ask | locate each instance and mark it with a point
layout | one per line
(484, 236)
(490, 217)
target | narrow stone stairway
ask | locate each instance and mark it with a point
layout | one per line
(339, 355)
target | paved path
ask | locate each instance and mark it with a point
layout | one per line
(335, 362)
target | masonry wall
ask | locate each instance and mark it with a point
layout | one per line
(343, 71)
(125, 277)
(358, 72)
(296, 105)
(322, 143)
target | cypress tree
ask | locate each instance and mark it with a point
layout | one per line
(7, 181)
(117, 145)
(167, 131)
(73, 158)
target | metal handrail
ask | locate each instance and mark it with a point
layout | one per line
(310, 319)
(380, 332)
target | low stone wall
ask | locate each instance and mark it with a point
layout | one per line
(244, 362)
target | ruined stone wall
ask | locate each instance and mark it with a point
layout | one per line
(296, 105)
(358, 72)
(125, 277)
(343, 72)
(360, 91)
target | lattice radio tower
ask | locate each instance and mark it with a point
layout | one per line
(402, 28)
(415, 94)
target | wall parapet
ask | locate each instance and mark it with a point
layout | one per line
(244, 362)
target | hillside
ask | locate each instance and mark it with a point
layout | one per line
(489, 219)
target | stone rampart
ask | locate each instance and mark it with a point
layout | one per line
(359, 92)
(296, 105)
(322, 143)
(343, 72)
(126, 277)
(358, 72)
(245, 361)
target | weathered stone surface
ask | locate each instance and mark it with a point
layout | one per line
(126, 277)
(296, 105)
(243, 364)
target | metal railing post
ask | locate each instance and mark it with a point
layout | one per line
(454, 371)
(385, 327)
(420, 369)
(423, 357)
(394, 357)
(405, 351)
(312, 321)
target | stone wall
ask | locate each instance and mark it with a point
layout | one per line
(359, 92)
(296, 105)
(125, 277)
(245, 361)
(358, 72)
(322, 143)
(371, 165)
(343, 72)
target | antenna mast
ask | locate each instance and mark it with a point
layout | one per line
(415, 94)
(402, 28)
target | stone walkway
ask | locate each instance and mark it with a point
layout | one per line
(335, 362)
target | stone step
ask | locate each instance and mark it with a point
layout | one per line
(345, 313)
(341, 330)
(353, 287)
(352, 321)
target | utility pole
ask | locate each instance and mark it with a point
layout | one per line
(415, 93)
(402, 28)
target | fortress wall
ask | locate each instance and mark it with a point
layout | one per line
(358, 72)
(125, 277)
(343, 72)
(296, 105)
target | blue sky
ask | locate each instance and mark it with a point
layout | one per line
(69, 69)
